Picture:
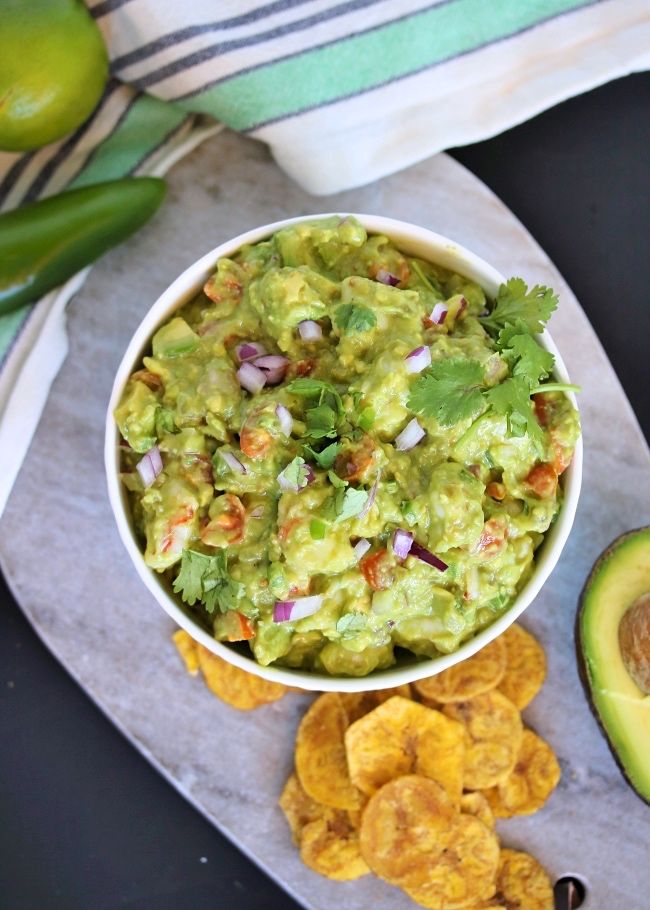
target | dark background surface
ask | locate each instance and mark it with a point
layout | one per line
(85, 822)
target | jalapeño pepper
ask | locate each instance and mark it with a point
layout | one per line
(43, 243)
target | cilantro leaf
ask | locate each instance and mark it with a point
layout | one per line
(526, 357)
(323, 419)
(350, 503)
(516, 304)
(321, 422)
(352, 317)
(512, 399)
(316, 388)
(326, 458)
(350, 624)
(336, 481)
(449, 390)
(366, 419)
(296, 474)
(206, 579)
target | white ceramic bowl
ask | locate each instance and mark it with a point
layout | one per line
(416, 241)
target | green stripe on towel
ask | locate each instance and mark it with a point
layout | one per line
(145, 126)
(368, 60)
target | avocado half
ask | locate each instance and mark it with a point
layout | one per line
(618, 579)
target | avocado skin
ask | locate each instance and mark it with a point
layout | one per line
(580, 651)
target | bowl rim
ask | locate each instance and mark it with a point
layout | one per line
(415, 240)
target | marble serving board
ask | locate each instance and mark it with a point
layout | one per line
(86, 602)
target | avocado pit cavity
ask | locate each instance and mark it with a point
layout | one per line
(634, 641)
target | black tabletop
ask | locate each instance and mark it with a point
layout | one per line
(85, 822)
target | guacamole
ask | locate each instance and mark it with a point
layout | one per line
(337, 451)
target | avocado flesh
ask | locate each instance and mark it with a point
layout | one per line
(619, 577)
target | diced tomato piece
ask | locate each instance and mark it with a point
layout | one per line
(301, 368)
(151, 380)
(175, 537)
(493, 538)
(300, 590)
(243, 628)
(223, 290)
(378, 570)
(541, 409)
(255, 442)
(286, 529)
(233, 518)
(542, 480)
(351, 464)
(496, 491)
(561, 455)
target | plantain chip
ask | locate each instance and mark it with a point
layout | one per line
(476, 803)
(354, 816)
(530, 783)
(357, 704)
(321, 762)
(405, 825)
(236, 687)
(187, 648)
(465, 872)
(525, 666)
(299, 809)
(403, 737)
(494, 732)
(330, 846)
(522, 883)
(477, 674)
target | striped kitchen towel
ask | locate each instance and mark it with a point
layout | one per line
(342, 92)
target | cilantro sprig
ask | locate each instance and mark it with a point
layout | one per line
(349, 503)
(352, 317)
(450, 390)
(457, 389)
(205, 578)
(324, 417)
(515, 304)
(351, 624)
(524, 355)
(326, 457)
(295, 475)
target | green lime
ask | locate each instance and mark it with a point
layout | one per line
(53, 69)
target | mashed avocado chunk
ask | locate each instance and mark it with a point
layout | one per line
(337, 450)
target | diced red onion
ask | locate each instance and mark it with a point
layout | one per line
(150, 466)
(387, 277)
(274, 367)
(402, 543)
(249, 350)
(409, 437)
(462, 307)
(286, 420)
(425, 555)
(285, 610)
(439, 314)
(310, 330)
(257, 512)
(251, 377)
(361, 548)
(418, 360)
(233, 462)
(370, 501)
